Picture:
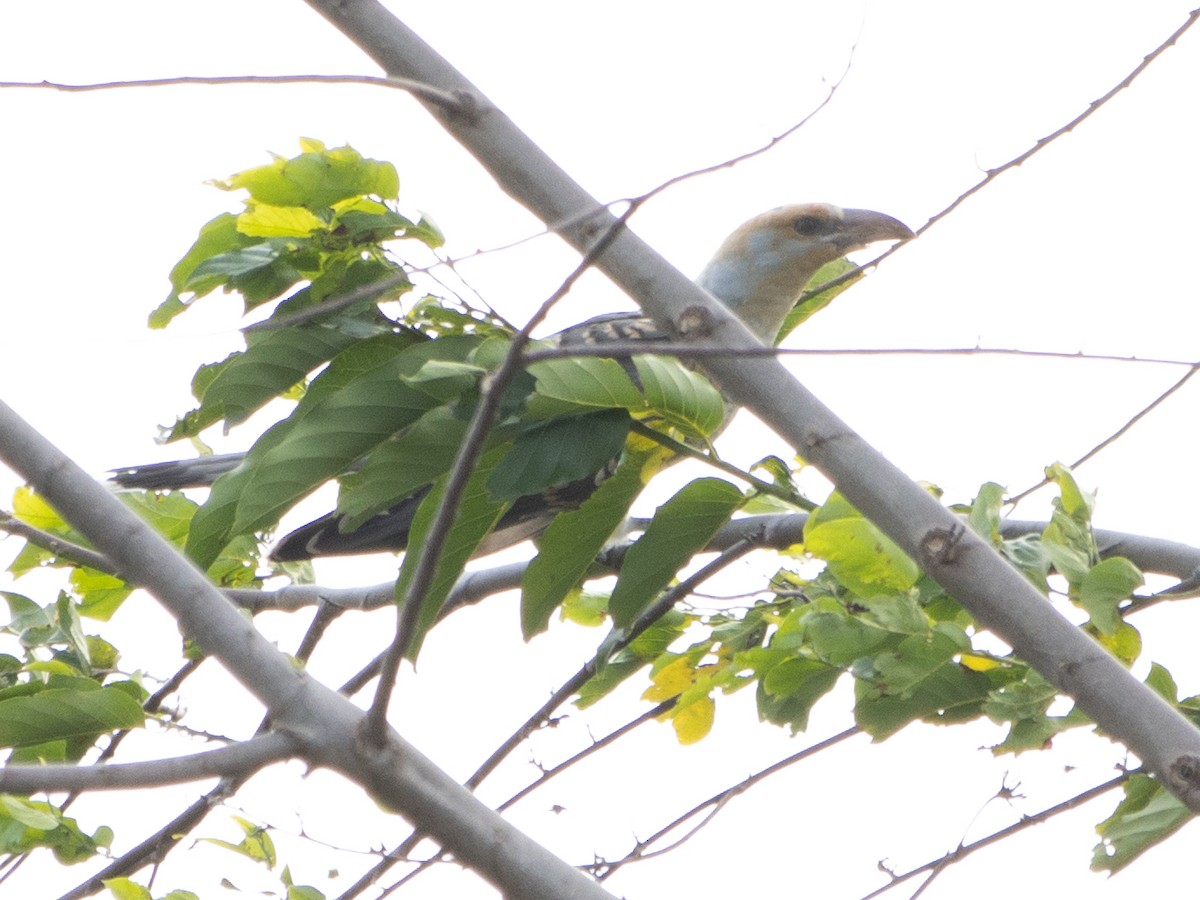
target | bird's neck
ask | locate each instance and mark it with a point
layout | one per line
(760, 289)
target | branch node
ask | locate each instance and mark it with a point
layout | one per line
(468, 105)
(941, 545)
(694, 323)
(1184, 774)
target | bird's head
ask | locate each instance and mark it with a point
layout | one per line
(761, 269)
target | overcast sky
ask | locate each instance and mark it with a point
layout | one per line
(1088, 247)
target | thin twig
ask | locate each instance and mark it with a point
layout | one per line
(719, 799)
(711, 459)
(451, 101)
(964, 850)
(1133, 420)
(63, 549)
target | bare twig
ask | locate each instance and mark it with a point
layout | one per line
(1133, 420)
(448, 100)
(63, 549)
(717, 801)
(1027, 821)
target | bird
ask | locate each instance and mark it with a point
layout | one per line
(759, 272)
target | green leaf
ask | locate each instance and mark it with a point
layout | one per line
(256, 845)
(559, 451)
(789, 689)
(1146, 816)
(1103, 588)
(53, 714)
(859, 555)
(100, 594)
(217, 237)
(26, 824)
(837, 638)
(944, 693)
(476, 517)
(813, 304)
(398, 467)
(125, 889)
(585, 608)
(568, 547)
(267, 368)
(581, 384)
(984, 517)
(1076, 502)
(684, 398)
(1163, 683)
(317, 179)
(681, 527)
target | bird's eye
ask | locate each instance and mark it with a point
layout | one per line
(810, 225)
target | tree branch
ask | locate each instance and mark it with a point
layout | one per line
(417, 89)
(238, 759)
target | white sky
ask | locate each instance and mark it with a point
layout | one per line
(1087, 247)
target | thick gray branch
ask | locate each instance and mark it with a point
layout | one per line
(237, 760)
(323, 724)
(994, 592)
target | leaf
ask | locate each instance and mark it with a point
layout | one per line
(125, 889)
(984, 517)
(1160, 679)
(256, 845)
(580, 384)
(944, 693)
(398, 467)
(100, 594)
(1076, 502)
(585, 608)
(218, 236)
(569, 546)
(1146, 816)
(1106, 584)
(266, 220)
(680, 528)
(316, 179)
(684, 398)
(859, 555)
(266, 369)
(812, 305)
(476, 517)
(693, 720)
(52, 714)
(788, 690)
(556, 452)
(26, 824)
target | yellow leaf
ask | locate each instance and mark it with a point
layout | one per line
(31, 509)
(670, 681)
(979, 663)
(694, 721)
(264, 220)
